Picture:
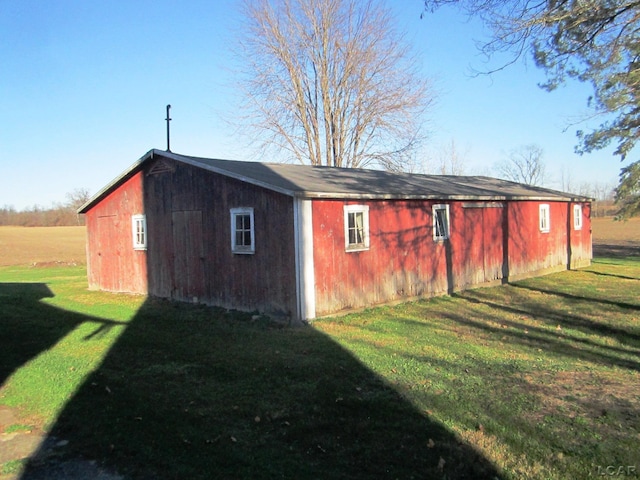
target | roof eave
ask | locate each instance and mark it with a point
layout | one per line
(484, 198)
(227, 173)
(307, 194)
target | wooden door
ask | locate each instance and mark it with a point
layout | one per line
(493, 241)
(483, 241)
(188, 256)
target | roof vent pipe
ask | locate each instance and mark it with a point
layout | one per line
(168, 119)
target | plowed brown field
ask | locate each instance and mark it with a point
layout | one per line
(615, 238)
(41, 246)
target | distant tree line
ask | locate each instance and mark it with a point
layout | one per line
(60, 214)
(451, 163)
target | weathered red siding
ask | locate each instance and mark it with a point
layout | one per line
(189, 255)
(581, 241)
(532, 251)
(190, 258)
(112, 263)
(403, 260)
(477, 240)
(488, 241)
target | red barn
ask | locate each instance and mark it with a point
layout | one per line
(303, 241)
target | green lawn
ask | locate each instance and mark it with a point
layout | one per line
(537, 379)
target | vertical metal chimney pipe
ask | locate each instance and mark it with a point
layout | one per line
(168, 119)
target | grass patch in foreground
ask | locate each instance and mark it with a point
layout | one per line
(532, 380)
(162, 390)
(541, 375)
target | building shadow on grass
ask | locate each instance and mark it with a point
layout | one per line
(29, 326)
(195, 392)
(19, 302)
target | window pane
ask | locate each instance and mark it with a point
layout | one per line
(356, 227)
(359, 219)
(440, 228)
(544, 218)
(242, 240)
(139, 232)
(577, 217)
(440, 222)
(243, 230)
(140, 229)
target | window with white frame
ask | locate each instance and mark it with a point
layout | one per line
(242, 231)
(356, 227)
(440, 222)
(139, 231)
(577, 217)
(544, 218)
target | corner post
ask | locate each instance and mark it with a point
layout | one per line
(304, 266)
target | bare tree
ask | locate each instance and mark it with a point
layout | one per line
(524, 165)
(566, 181)
(592, 41)
(331, 82)
(451, 161)
(77, 198)
(603, 196)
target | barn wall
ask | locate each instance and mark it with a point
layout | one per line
(112, 262)
(581, 251)
(532, 251)
(190, 258)
(403, 259)
(489, 241)
(189, 254)
(477, 237)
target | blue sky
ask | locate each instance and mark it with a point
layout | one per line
(84, 87)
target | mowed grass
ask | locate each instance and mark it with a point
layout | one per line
(537, 379)
(541, 376)
(42, 245)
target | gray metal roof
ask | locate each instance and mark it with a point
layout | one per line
(307, 181)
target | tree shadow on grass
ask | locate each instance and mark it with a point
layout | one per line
(613, 275)
(554, 329)
(619, 250)
(194, 392)
(579, 298)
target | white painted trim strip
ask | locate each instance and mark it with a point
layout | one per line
(305, 270)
